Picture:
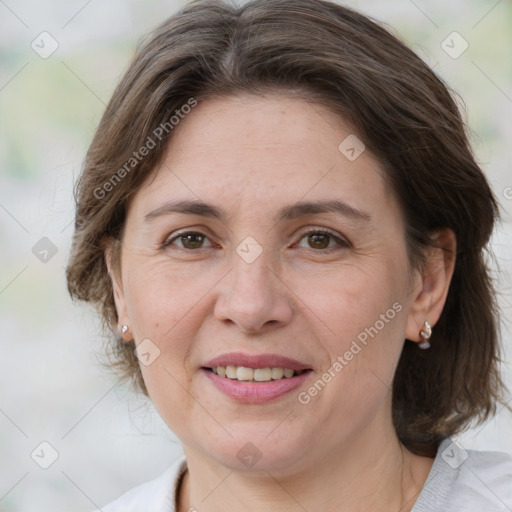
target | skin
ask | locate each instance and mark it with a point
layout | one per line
(252, 155)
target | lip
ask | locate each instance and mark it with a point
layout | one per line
(255, 392)
(256, 361)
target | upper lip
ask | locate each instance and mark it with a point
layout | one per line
(256, 361)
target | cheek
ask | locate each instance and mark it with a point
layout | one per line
(160, 296)
(361, 318)
(165, 306)
(361, 315)
(162, 304)
(353, 300)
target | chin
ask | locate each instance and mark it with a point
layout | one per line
(252, 449)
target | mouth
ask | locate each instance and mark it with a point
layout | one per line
(255, 379)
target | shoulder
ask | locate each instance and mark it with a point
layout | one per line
(486, 478)
(467, 480)
(157, 495)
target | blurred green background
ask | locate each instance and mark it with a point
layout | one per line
(52, 389)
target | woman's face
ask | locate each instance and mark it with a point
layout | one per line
(252, 284)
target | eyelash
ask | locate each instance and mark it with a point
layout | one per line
(342, 243)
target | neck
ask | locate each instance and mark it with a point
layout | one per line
(363, 475)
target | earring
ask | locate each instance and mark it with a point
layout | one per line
(124, 330)
(426, 336)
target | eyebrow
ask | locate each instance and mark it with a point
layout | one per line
(300, 209)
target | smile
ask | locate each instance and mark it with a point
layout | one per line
(256, 379)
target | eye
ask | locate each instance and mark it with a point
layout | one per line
(320, 239)
(189, 240)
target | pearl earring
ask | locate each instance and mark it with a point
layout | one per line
(124, 330)
(426, 336)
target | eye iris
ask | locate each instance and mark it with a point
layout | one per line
(315, 239)
(193, 238)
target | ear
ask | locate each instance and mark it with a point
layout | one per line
(431, 286)
(111, 250)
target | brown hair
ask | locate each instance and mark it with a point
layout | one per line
(397, 105)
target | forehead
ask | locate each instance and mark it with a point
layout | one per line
(276, 125)
(255, 150)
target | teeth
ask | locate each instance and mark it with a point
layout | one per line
(230, 372)
(288, 373)
(242, 373)
(277, 373)
(263, 374)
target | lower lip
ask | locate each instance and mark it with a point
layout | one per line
(256, 392)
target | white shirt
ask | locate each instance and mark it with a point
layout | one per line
(459, 481)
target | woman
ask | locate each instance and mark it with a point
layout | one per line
(281, 216)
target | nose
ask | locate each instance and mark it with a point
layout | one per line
(253, 297)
